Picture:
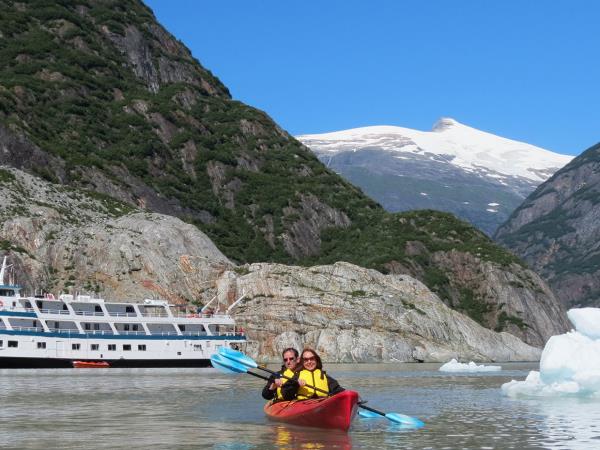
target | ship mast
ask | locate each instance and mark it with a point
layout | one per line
(2, 271)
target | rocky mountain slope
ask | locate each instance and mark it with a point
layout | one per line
(351, 314)
(477, 176)
(96, 95)
(557, 230)
(63, 239)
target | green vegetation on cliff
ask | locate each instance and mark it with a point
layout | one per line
(122, 108)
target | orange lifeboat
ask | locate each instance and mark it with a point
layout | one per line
(90, 364)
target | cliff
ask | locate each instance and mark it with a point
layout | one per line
(556, 230)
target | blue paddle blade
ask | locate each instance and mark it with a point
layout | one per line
(226, 366)
(412, 422)
(369, 414)
(237, 356)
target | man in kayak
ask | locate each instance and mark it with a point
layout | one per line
(291, 360)
(311, 373)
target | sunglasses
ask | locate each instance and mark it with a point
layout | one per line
(311, 358)
(288, 359)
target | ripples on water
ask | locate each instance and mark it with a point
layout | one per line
(200, 408)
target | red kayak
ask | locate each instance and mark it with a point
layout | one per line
(334, 412)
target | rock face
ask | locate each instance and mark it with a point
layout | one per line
(557, 230)
(351, 314)
(66, 240)
(510, 298)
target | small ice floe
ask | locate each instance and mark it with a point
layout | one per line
(570, 362)
(455, 366)
(491, 210)
(424, 193)
(493, 205)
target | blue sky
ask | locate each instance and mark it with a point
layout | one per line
(526, 70)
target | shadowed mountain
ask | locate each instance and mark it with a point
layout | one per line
(557, 230)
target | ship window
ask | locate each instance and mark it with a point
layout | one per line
(182, 327)
(7, 293)
(142, 348)
(112, 347)
(129, 309)
(56, 325)
(126, 326)
(87, 326)
(1, 343)
(95, 347)
(13, 344)
(197, 347)
(75, 346)
(96, 326)
(97, 308)
(27, 305)
(126, 348)
(134, 327)
(41, 345)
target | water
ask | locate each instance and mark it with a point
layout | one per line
(201, 408)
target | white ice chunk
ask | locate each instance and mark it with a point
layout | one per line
(586, 321)
(570, 362)
(454, 366)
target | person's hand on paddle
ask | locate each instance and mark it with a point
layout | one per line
(301, 382)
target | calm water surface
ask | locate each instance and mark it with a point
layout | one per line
(201, 408)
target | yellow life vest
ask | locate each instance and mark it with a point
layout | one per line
(315, 378)
(287, 373)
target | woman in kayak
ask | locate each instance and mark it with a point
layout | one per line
(291, 361)
(311, 375)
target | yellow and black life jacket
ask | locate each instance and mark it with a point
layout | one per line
(287, 373)
(316, 378)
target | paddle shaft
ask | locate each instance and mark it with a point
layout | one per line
(371, 409)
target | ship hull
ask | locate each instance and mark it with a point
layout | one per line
(60, 363)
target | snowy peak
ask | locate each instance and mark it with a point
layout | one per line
(444, 123)
(471, 150)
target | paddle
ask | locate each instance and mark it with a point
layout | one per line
(239, 360)
(228, 366)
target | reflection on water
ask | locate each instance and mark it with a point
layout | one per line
(200, 408)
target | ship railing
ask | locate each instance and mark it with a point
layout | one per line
(200, 316)
(101, 332)
(138, 333)
(89, 313)
(155, 315)
(122, 314)
(55, 311)
(26, 329)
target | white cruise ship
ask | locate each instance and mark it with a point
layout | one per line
(81, 331)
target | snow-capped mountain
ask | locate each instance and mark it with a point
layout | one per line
(476, 175)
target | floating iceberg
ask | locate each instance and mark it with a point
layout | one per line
(570, 363)
(454, 366)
